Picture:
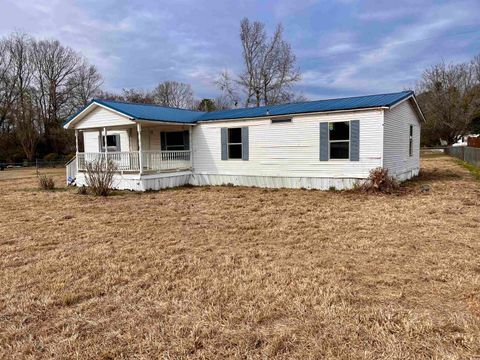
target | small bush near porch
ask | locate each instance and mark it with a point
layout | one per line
(242, 273)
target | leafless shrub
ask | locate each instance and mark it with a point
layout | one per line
(82, 190)
(45, 182)
(99, 176)
(379, 181)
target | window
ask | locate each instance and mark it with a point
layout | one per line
(234, 143)
(174, 140)
(410, 141)
(113, 143)
(339, 140)
(278, 121)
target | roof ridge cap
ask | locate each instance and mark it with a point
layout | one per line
(144, 104)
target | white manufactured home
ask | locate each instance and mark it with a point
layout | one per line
(315, 145)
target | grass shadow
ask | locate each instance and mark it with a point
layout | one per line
(427, 175)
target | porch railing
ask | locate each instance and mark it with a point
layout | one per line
(124, 161)
(166, 160)
(71, 168)
(151, 160)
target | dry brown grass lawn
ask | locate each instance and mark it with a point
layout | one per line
(241, 273)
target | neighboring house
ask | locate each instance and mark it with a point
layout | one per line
(314, 145)
(463, 140)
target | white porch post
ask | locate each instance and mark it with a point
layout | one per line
(190, 146)
(106, 146)
(76, 147)
(140, 157)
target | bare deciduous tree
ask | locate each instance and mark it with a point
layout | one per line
(227, 85)
(7, 85)
(84, 85)
(270, 68)
(24, 113)
(448, 94)
(138, 96)
(476, 68)
(41, 84)
(223, 103)
(55, 65)
(128, 95)
(174, 94)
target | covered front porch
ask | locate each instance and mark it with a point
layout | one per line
(149, 146)
(143, 148)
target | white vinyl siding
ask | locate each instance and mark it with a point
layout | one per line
(290, 149)
(151, 136)
(396, 139)
(92, 141)
(101, 117)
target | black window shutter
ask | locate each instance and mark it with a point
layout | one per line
(245, 143)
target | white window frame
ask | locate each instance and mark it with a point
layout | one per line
(110, 148)
(410, 140)
(340, 141)
(229, 143)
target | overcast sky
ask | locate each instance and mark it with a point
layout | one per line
(343, 47)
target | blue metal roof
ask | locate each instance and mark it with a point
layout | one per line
(358, 102)
(151, 111)
(166, 114)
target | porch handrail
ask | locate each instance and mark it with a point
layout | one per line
(167, 151)
(152, 160)
(123, 160)
(71, 169)
(165, 160)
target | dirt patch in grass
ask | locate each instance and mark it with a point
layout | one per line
(224, 272)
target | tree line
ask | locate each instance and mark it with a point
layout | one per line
(43, 82)
(449, 95)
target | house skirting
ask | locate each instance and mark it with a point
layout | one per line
(138, 182)
(320, 183)
(407, 174)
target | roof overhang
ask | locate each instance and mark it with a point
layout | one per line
(158, 122)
